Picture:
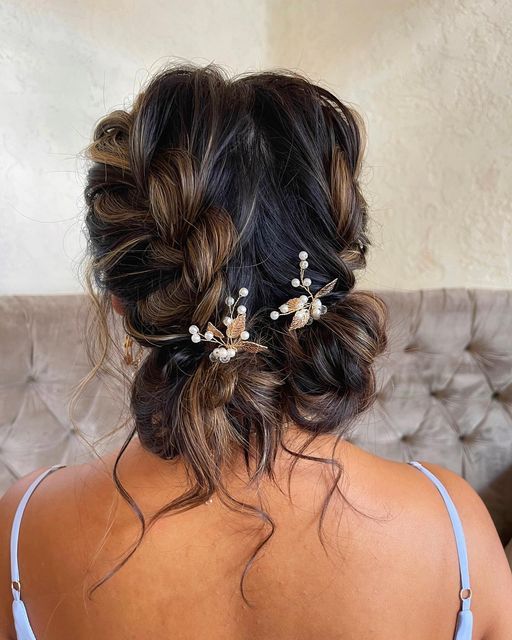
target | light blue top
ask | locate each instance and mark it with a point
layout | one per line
(21, 622)
(464, 626)
(463, 630)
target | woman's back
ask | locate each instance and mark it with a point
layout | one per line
(393, 574)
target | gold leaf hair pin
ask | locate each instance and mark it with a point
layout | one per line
(236, 338)
(305, 308)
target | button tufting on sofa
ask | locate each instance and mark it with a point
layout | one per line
(449, 353)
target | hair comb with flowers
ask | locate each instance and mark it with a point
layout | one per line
(236, 338)
(305, 308)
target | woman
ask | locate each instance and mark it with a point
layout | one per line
(225, 223)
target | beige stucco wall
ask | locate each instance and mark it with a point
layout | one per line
(432, 79)
(65, 64)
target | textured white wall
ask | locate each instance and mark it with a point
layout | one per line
(432, 79)
(65, 64)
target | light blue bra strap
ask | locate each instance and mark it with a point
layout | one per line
(15, 531)
(465, 591)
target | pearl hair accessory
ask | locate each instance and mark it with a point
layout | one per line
(236, 339)
(305, 308)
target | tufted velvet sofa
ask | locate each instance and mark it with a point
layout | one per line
(444, 388)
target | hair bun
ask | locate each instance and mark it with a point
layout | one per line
(331, 364)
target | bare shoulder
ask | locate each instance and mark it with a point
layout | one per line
(8, 504)
(58, 483)
(47, 510)
(490, 575)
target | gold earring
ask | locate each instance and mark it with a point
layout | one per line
(128, 353)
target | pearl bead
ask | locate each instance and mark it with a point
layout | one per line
(215, 352)
(323, 309)
(303, 255)
(243, 292)
(301, 313)
(230, 300)
(231, 352)
(284, 308)
(244, 335)
(195, 337)
(303, 299)
(242, 309)
(212, 357)
(222, 352)
(208, 335)
(274, 315)
(227, 320)
(307, 282)
(295, 282)
(316, 313)
(316, 303)
(225, 358)
(193, 328)
(304, 264)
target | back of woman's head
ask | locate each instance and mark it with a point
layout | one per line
(209, 184)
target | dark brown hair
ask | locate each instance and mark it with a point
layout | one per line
(207, 184)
